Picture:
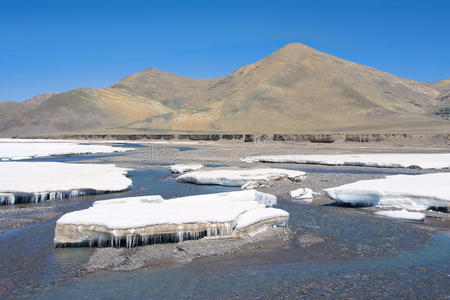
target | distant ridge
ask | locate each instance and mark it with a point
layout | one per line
(295, 89)
(40, 99)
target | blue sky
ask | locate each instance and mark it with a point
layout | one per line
(52, 46)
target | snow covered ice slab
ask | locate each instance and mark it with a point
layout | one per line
(402, 214)
(178, 169)
(150, 219)
(26, 149)
(413, 192)
(24, 182)
(303, 194)
(239, 177)
(384, 160)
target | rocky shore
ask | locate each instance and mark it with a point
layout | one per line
(161, 255)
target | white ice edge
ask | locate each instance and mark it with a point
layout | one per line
(238, 177)
(385, 160)
(260, 214)
(402, 214)
(144, 211)
(413, 192)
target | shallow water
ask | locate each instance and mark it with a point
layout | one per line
(256, 276)
(182, 149)
(362, 256)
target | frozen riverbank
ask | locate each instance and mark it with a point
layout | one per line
(27, 149)
(379, 160)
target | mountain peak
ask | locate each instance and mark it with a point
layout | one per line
(297, 46)
(152, 70)
(295, 50)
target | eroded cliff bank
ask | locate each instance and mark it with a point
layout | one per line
(337, 138)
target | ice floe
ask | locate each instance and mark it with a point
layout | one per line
(402, 214)
(240, 177)
(178, 169)
(150, 219)
(26, 149)
(385, 160)
(413, 192)
(24, 182)
(303, 194)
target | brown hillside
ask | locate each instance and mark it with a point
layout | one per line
(295, 89)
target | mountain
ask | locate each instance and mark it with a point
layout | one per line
(296, 89)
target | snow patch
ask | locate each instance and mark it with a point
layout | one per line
(26, 182)
(383, 160)
(130, 200)
(402, 214)
(413, 192)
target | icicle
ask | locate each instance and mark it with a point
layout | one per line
(7, 199)
(133, 239)
(19, 198)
